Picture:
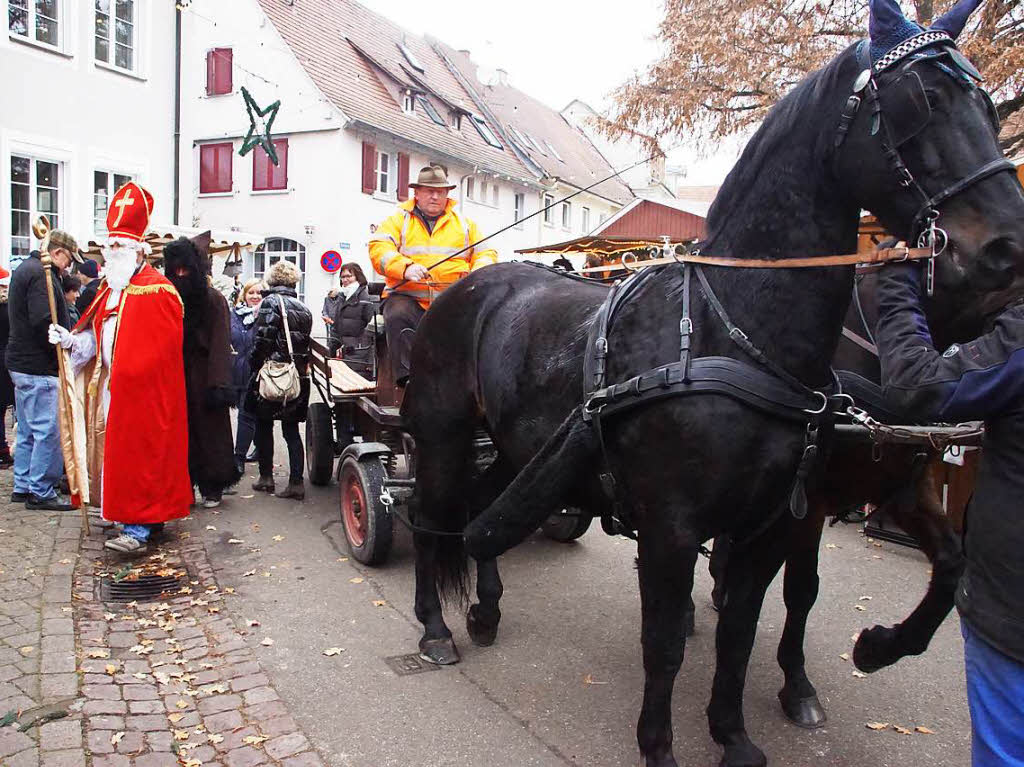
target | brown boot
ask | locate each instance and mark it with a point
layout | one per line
(266, 484)
(295, 490)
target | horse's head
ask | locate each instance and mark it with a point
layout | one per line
(919, 149)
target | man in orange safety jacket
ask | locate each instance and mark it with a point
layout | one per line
(408, 248)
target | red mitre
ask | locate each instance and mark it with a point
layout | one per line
(129, 213)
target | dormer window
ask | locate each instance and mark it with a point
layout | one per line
(408, 103)
(554, 152)
(429, 109)
(410, 57)
(485, 132)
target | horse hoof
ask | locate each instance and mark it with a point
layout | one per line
(806, 712)
(440, 652)
(483, 633)
(744, 755)
(875, 648)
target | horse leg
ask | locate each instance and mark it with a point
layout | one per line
(798, 697)
(748, 575)
(666, 580)
(440, 560)
(482, 618)
(717, 566)
(924, 519)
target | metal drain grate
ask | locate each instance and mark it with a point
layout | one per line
(406, 665)
(145, 588)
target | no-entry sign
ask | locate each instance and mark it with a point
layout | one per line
(330, 261)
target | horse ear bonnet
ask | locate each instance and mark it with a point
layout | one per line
(888, 27)
(954, 20)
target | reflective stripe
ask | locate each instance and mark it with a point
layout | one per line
(417, 293)
(384, 238)
(431, 250)
(386, 259)
(405, 226)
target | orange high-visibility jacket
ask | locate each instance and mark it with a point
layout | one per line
(402, 239)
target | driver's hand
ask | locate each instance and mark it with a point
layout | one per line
(416, 273)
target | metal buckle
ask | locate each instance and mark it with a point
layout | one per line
(685, 326)
(824, 404)
(843, 396)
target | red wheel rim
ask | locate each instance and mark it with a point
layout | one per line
(354, 509)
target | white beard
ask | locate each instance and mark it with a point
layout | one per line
(119, 264)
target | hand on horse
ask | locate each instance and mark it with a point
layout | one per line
(417, 273)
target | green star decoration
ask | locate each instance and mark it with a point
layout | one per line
(259, 127)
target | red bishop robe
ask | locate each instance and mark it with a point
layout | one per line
(143, 448)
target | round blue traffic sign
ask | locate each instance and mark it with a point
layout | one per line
(331, 261)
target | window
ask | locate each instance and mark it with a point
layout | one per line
(470, 188)
(116, 30)
(385, 173)
(485, 132)
(408, 103)
(549, 216)
(104, 184)
(554, 151)
(494, 194)
(265, 175)
(535, 144)
(36, 20)
(429, 109)
(413, 61)
(566, 215)
(35, 191)
(215, 168)
(585, 223)
(219, 65)
(280, 249)
(518, 208)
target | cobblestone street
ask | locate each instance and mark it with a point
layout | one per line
(118, 684)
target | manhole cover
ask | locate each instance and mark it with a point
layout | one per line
(159, 576)
(405, 665)
(144, 588)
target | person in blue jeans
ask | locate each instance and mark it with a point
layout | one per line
(243, 337)
(982, 379)
(32, 363)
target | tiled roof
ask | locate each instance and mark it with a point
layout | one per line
(338, 43)
(559, 149)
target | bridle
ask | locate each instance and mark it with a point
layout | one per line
(927, 46)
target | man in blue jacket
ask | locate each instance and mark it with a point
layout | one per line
(979, 380)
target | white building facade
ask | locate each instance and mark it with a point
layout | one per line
(88, 103)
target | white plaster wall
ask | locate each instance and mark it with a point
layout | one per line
(60, 105)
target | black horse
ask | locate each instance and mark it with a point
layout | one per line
(504, 349)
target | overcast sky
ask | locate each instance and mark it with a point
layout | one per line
(555, 50)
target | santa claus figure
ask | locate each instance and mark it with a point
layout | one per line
(126, 352)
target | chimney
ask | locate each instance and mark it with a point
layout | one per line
(501, 76)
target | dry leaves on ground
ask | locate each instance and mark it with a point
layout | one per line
(254, 740)
(267, 642)
(589, 679)
(278, 538)
(379, 602)
(215, 738)
(175, 718)
(858, 674)
(253, 623)
(116, 738)
(334, 651)
(236, 541)
(844, 655)
(924, 730)
(355, 580)
(877, 726)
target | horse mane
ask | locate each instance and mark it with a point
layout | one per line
(786, 127)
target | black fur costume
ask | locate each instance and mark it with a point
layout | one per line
(207, 353)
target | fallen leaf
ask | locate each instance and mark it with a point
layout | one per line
(355, 580)
(116, 738)
(214, 738)
(588, 679)
(192, 763)
(110, 669)
(109, 616)
(235, 540)
(254, 740)
(267, 642)
(876, 556)
(181, 734)
(379, 602)
(831, 546)
(901, 730)
(334, 651)
(97, 653)
(877, 545)
(343, 559)
(278, 538)
(229, 590)
(844, 655)
(175, 718)
(924, 730)
(140, 650)
(64, 561)
(861, 608)
(211, 527)
(139, 675)
(253, 623)
(265, 574)
(247, 573)
(247, 496)
(877, 725)
(865, 598)
(28, 650)
(858, 674)
(182, 704)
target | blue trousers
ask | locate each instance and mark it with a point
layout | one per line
(995, 692)
(38, 462)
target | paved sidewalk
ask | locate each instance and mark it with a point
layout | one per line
(167, 683)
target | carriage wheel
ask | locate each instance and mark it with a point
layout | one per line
(367, 521)
(565, 528)
(319, 443)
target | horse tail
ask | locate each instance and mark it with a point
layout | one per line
(451, 573)
(536, 492)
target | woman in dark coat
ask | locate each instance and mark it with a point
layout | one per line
(6, 385)
(207, 353)
(352, 313)
(243, 338)
(271, 343)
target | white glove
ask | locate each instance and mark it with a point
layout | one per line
(60, 336)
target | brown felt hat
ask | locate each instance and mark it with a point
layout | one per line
(434, 177)
(61, 239)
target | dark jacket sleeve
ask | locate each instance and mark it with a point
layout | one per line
(37, 304)
(973, 381)
(265, 334)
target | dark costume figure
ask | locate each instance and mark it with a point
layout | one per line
(207, 353)
(6, 385)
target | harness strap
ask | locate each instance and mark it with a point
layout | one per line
(862, 342)
(685, 325)
(989, 169)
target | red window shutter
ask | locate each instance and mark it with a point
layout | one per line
(225, 58)
(215, 168)
(267, 176)
(403, 176)
(369, 167)
(209, 73)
